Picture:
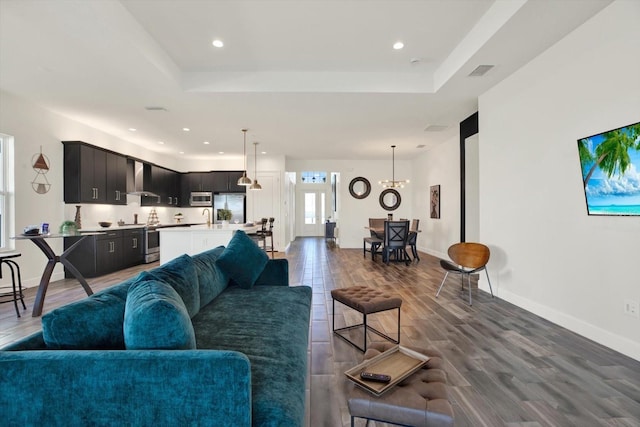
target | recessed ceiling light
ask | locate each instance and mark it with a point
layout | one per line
(186, 129)
(263, 152)
(220, 152)
(398, 45)
(217, 43)
(161, 142)
(133, 129)
(206, 143)
(181, 152)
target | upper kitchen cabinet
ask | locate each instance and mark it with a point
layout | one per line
(85, 173)
(196, 181)
(163, 182)
(227, 182)
(116, 179)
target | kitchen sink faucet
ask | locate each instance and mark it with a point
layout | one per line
(208, 216)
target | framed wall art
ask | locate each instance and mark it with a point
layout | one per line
(434, 197)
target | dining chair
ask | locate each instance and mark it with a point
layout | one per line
(260, 236)
(269, 233)
(395, 241)
(376, 229)
(468, 258)
(413, 238)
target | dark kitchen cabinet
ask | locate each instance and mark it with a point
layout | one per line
(132, 247)
(105, 253)
(163, 182)
(227, 182)
(93, 175)
(197, 181)
(194, 181)
(85, 173)
(116, 189)
(108, 252)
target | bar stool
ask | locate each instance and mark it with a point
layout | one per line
(16, 294)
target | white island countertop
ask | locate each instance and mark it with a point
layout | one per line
(198, 238)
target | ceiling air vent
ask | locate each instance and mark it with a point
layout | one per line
(480, 70)
(420, 146)
(435, 128)
(155, 108)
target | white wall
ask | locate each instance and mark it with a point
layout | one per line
(548, 256)
(438, 166)
(354, 213)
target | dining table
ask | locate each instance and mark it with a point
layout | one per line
(40, 240)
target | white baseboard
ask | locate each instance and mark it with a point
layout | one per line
(601, 336)
(34, 282)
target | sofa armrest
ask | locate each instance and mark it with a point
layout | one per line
(127, 387)
(276, 272)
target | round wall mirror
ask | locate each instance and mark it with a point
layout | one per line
(390, 199)
(359, 187)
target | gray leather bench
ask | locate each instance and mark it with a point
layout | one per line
(421, 400)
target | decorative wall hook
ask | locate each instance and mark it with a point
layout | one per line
(40, 183)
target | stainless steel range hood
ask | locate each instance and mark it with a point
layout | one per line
(138, 180)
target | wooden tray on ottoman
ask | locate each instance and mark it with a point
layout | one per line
(398, 362)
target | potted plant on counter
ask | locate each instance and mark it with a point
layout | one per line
(224, 215)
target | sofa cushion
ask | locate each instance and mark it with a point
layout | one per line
(155, 318)
(181, 274)
(212, 280)
(270, 325)
(92, 323)
(243, 260)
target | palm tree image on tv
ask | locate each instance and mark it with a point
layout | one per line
(610, 163)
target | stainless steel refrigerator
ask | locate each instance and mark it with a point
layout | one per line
(235, 202)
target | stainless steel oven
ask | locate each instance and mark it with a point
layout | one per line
(151, 244)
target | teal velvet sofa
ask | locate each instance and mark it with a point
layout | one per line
(215, 339)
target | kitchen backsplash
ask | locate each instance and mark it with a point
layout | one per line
(91, 214)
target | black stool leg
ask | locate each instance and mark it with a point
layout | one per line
(19, 283)
(16, 295)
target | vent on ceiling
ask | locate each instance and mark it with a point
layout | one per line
(435, 128)
(155, 108)
(480, 70)
(420, 146)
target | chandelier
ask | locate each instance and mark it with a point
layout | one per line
(392, 183)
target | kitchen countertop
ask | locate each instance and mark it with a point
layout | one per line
(133, 226)
(214, 228)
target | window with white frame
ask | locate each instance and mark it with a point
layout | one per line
(313, 177)
(6, 190)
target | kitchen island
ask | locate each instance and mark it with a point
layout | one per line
(195, 239)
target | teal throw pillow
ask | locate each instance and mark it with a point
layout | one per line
(182, 275)
(155, 318)
(211, 278)
(92, 323)
(243, 260)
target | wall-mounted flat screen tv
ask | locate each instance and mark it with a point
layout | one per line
(610, 164)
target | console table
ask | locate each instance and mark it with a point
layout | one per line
(40, 241)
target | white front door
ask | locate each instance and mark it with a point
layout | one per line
(314, 208)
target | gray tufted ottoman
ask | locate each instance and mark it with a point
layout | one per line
(421, 400)
(366, 300)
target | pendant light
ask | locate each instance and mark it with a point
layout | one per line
(244, 179)
(255, 185)
(393, 183)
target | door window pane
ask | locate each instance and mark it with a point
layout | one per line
(309, 208)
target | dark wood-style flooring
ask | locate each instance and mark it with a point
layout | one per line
(506, 366)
